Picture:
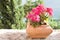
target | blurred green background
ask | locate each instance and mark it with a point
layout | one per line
(13, 14)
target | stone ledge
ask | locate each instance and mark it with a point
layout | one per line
(10, 34)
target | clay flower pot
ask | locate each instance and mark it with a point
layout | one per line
(38, 32)
(38, 28)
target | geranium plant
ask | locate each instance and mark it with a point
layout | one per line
(38, 15)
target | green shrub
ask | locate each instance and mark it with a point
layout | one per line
(55, 24)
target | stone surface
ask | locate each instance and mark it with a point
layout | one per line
(10, 34)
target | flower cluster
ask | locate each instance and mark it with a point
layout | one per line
(39, 13)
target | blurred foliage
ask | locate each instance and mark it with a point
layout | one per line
(12, 13)
(6, 13)
(54, 23)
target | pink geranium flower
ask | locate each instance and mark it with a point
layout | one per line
(50, 11)
(34, 17)
(36, 11)
(41, 8)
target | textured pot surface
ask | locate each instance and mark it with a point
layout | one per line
(39, 32)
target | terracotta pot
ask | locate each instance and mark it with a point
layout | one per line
(38, 32)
